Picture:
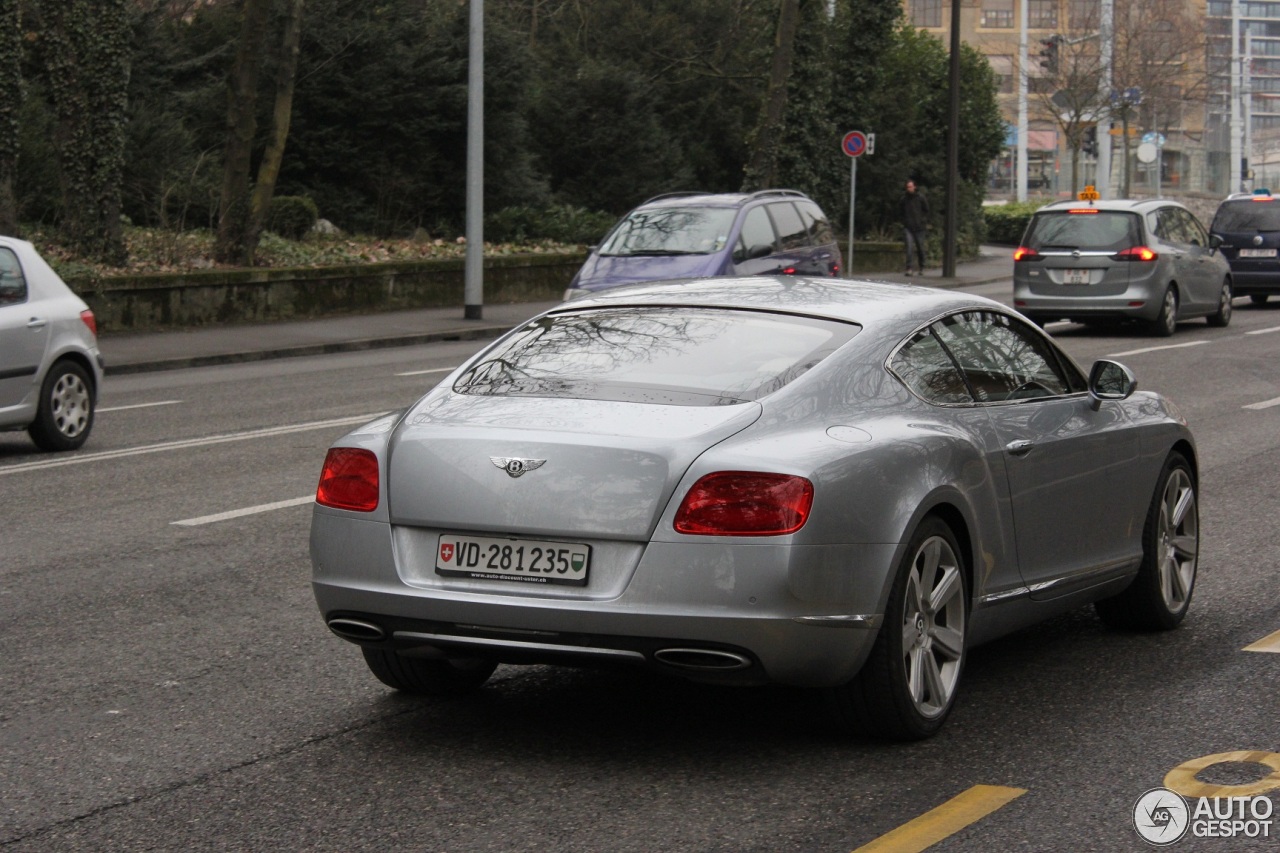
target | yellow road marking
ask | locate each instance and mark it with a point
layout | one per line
(1266, 644)
(947, 819)
(1182, 778)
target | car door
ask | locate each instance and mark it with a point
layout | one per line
(755, 251)
(1186, 265)
(1208, 270)
(1071, 470)
(24, 334)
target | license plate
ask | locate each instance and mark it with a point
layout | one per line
(522, 560)
(1257, 253)
(1075, 276)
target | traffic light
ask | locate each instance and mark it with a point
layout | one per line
(1090, 144)
(1049, 54)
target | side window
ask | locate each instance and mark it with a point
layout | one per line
(757, 239)
(1171, 226)
(1193, 229)
(1002, 358)
(792, 233)
(13, 284)
(819, 228)
(928, 370)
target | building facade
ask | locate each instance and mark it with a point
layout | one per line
(1160, 89)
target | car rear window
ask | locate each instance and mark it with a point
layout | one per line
(1247, 215)
(1101, 230)
(665, 355)
(671, 231)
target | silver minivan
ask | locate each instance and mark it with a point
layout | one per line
(1147, 260)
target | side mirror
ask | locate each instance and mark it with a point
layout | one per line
(760, 250)
(1110, 380)
(1215, 241)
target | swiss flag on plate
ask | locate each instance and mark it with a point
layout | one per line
(446, 552)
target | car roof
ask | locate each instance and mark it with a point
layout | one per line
(701, 199)
(1119, 205)
(867, 303)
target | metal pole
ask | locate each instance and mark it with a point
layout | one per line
(953, 149)
(473, 268)
(853, 195)
(1023, 71)
(1102, 180)
(1246, 91)
(1233, 166)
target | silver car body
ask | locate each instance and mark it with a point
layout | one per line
(1081, 276)
(1041, 532)
(40, 325)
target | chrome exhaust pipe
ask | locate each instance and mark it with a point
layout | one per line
(356, 630)
(703, 660)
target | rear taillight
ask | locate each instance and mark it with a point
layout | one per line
(88, 319)
(349, 480)
(1136, 253)
(745, 503)
(1024, 253)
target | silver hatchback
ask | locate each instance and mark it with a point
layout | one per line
(50, 365)
(1145, 260)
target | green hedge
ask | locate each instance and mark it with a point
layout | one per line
(1006, 222)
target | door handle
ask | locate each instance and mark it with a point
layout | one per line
(1019, 448)
(37, 323)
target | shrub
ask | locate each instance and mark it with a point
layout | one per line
(292, 216)
(562, 223)
(1006, 222)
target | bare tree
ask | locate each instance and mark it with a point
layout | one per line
(762, 165)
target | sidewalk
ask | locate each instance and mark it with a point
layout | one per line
(151, 351)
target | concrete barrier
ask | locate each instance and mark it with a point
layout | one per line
(208, 297)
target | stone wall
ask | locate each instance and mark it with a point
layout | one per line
(208, 297)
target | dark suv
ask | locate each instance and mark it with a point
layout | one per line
(1249, 226)
(687, 235)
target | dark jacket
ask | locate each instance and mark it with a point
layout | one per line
(915, 212)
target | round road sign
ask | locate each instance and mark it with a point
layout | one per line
(854, 143)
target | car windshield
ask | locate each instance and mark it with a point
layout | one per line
(1247, 216)
(1095, 230)
(667, 356)
(671, 231)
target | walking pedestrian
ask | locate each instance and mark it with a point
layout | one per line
(915, 226)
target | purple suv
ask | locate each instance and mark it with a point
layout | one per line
(689, 235)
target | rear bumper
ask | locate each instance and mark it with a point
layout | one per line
(1246, 283)
(727, 613)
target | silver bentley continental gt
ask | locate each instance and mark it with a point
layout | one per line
(811, 482)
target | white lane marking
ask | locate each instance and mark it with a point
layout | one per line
(423, 372)
(188, 443)
(238, 513)
(1264, 331)
(1157, 349)
(138, 406)
(1265, 404)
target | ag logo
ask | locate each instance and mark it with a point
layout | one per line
(1161, 817)
(516, 466)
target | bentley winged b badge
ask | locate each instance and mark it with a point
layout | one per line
(515, 466)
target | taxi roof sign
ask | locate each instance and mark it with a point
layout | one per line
(1088, 194)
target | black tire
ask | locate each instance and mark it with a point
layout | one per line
(1164, 325)
(1160, 594)
(1222, 317)
(65, 414)
(1258, 298)
(906, 693)
(428, 677)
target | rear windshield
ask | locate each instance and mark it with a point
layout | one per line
(671, 231)
(1247, 215)
(1093, 231)
(663, 355)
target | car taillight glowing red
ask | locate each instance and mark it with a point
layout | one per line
(89, 320)
(1025, 254)
(349, 480)
(745, 503)
(1135, 253)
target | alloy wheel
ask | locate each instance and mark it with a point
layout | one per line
(1178, 540)
(933, 627)
(69, 405)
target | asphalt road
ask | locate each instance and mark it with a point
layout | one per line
(168, 684)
